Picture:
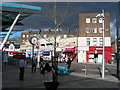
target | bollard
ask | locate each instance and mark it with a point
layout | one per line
(85, 71)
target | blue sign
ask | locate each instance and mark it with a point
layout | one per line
(46, 53)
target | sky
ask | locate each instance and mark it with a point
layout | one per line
(71, 17)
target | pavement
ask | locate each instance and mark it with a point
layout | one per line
(76, 79)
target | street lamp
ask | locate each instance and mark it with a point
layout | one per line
(77, 45)
(103, 28)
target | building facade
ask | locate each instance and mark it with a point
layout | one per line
(46, 43)
(90, 40)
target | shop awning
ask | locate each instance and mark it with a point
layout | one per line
(64, 52)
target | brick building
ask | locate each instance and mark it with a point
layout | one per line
(90, 38)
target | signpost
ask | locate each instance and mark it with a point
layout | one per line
(33, 40)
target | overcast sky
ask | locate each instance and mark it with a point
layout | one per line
(71, 20)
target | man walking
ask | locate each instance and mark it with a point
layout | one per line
(41, 62)
(34, 63)
(21, 66)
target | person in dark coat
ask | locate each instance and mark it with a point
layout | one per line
(34, 63)
(21, 67)
(69, 63)
(41, 63)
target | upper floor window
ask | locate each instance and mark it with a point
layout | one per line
(26, 40)
(94, 20)
(27, 36)
(45, 35)
(94, 43)
(35, 35)
(101, 39)
(23, 35)
(11, 48)
(87, 30)
(100, 30)
(94, 39)
(88, 41)
(23, 41)
(100, 20)
(101, 43)
(87, 20)
(94, 30)
(65, 36)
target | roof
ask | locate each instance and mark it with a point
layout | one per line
(20, 8)
(16, 46)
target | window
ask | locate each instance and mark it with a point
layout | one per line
(101, 43)
(88, 41)
(94, 30)
(11, 47)
(65, 36)
(101, 39)
(100, 30)
(87, 30)
(94, 20)
(23, 35)
(35, 35)
(100, 20)
(94, 39)
(87, 20)
(94, 43)
(27, 36)
(23, 41)
(45, 35)
(26, 40)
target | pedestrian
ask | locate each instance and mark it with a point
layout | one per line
(68, 63)
(22, 68)
(63, 59)
(5, 58)
(41, 63)
(48, 72)
(34, 63)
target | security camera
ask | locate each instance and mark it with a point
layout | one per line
(98, 15)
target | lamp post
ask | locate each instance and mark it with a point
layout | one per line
(103, 61)
(77, 45)
(33, 40)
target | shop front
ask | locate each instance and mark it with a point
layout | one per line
(70, 53)
(95, 54)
